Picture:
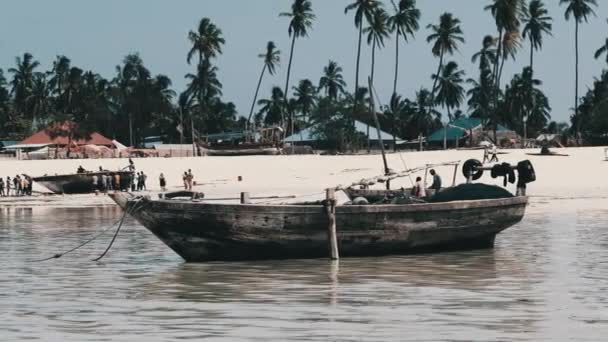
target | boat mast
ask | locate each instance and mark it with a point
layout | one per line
(372, 107)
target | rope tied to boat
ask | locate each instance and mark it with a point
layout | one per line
(128, 211)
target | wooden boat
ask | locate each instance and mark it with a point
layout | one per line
(200, 231)
(245, 150)
(80, 183)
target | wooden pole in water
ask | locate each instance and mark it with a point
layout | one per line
(330, 208)
(245, 198)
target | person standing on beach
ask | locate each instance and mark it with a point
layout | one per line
(25, 186)
(143, 181)
(494, 154)
(8, 186)
(486, 155)
(1, 187)
(185, 179)
(190, 179)
(117, 182)
(17, 185)
(163, 182)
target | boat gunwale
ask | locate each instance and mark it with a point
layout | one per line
(345, 209)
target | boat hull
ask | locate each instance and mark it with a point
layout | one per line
(269, 151)
(81, 183)
(201, 232)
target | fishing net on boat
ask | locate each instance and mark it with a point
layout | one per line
(468, 192)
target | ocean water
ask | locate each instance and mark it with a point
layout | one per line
(546, 280)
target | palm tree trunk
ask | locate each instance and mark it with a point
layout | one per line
(496, 61)
(576, 114)
(371, 92)
(357, 69)
(396, 62)
(285, 108)
(432, 102)
(130, 129)
(502, 64)
(255, 97)
(531, 57)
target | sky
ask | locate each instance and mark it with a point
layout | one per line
(96, 35)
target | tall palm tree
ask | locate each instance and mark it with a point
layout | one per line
(579, 10)
(207, 42)
(364, 9)
(450, 92)
(271, 58)
(332, 80)
(509, 47)
(445, 39)
(23, 78)
(377, 31)
(301, 18)
(602, 50)
(403, 22)
(536, 23)
(506, 14)
(59, 75)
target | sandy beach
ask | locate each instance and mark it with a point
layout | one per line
(580, 175)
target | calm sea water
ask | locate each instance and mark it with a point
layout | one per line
(546, 280)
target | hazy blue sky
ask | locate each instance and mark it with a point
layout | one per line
(97, 34)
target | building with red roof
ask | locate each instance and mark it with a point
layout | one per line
(44, 138)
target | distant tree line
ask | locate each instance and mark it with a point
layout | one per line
(136, 102)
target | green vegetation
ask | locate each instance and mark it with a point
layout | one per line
(136, 102)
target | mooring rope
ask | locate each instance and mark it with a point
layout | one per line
(132, 206)
(119, 222)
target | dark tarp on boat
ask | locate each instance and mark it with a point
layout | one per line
(470, 192)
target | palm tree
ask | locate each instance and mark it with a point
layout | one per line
(23, 78)
(332, 80)
(272, 109)
(510, 45)
(602, 50)
(271, 58)
(403, 22)
(487, 54)
(396, 112)
(305, 98)
(450, 92)
(363, 9)
(60, 71)
(39, 101)
(207, 42)
(301, 21)
(506, 14)
(376, 33)
(579, 10)
(445, 39)
(537, 22)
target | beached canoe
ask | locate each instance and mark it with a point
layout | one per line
(200, 231)
(235, 152)
(80, 183)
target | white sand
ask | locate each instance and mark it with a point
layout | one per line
(584, 174)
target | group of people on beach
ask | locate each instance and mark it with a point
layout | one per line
(17, 186)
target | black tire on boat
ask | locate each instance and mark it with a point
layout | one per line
(472, 165)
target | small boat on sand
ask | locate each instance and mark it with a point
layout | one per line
(80, 183)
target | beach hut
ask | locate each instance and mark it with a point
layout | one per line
(308, 137)
(470, 132)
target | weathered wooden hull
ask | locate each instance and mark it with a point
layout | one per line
(201, 232)
(81, 183)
